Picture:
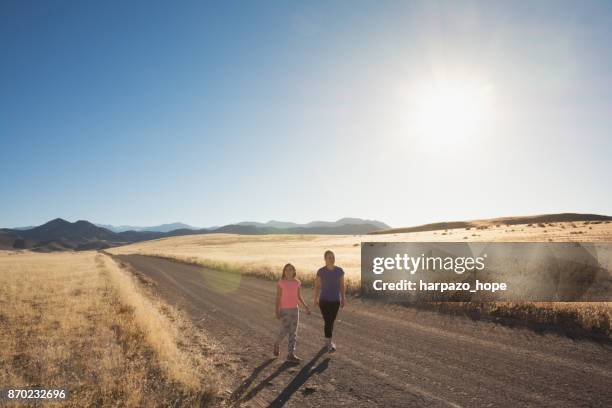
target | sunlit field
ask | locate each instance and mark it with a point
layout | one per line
(264, 255)
(78, 321)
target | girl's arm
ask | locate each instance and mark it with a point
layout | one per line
(278, 301)
(317, 290)
(342, 291)
(301, 299)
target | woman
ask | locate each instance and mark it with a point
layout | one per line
(329, 295)
(288, 296)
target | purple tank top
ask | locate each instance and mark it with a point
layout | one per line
(330, 283)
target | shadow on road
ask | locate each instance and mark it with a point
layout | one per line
(255, 390)
(305, 373)
(237, 394)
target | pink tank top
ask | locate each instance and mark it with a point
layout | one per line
(289, 294)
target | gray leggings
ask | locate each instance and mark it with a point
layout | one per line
(289, 327)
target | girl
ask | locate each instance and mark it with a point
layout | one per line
(329, 295)
(288, 294)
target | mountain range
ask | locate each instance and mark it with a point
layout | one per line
(156, 228)
(59, 234)
(315, 224)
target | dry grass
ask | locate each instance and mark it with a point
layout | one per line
(255, 254)
(77, 321)
(264, 256)
(593, 319)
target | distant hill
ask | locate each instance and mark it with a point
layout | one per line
(346, 221)
(269, 224)
(61, 229)
(544, 218)
(344, 229)
(343, 222)
(60, 234)
(156, 228)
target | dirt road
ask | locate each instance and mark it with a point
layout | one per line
(387, 356)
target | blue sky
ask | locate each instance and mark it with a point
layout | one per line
(210, 113)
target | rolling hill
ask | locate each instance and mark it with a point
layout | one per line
(156, 228)
(531, 219)
(316, 224)
(59, 234)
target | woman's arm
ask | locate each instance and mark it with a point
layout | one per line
(301, 299)
(342, 291)
(278, 301)
(317, 290)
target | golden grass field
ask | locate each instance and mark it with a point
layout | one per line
(78, 321)
(264, 255)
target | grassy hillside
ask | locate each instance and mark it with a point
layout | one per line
(268, 253)
(565, 218)
(77, 320)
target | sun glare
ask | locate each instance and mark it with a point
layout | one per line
(447, 111)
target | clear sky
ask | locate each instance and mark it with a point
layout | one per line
(140, 113)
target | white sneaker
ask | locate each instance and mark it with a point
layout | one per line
(331, 348)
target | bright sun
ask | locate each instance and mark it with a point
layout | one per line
(447, 111)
